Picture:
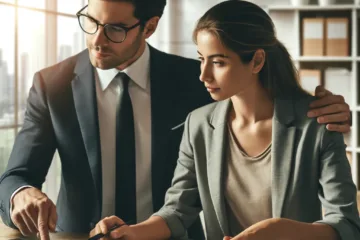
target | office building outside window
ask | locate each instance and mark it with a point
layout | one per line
(38, 34)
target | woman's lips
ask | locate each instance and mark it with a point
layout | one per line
(211, 89)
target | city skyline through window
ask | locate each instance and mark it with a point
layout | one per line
(47, 32)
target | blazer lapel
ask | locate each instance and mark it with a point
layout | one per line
(283, 136)
(84, 93)
(216, 161)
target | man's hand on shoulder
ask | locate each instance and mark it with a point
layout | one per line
(331, 110)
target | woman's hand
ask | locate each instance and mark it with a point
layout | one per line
(124, 232)
(267, 229)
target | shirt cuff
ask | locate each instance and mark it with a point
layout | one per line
(15, 192)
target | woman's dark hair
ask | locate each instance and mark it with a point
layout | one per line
(244, 27)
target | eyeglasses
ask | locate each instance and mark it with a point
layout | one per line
(114, 32)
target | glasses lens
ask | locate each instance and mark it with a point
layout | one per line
(115, 34)
(87, 24)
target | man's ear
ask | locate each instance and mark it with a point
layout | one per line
(151, 26)
(258, 60)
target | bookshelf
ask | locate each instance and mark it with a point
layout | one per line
(288, 22)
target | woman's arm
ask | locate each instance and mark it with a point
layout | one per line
(182, 201)
(286, 229)
(338, 191)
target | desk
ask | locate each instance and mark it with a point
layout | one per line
(7, 233)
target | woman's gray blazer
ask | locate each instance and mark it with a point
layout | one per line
(310, 170)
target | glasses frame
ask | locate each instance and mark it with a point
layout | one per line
(126, 29)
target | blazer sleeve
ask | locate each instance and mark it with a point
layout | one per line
(33, 149)
(338, 192)
(182, 201)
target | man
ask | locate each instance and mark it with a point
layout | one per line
(75, 107)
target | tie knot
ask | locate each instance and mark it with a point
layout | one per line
(124, 78)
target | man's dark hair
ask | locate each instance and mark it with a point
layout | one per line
(146, 9)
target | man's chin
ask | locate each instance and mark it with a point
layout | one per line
(104, 65)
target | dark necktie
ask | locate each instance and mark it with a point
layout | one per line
(125, 206)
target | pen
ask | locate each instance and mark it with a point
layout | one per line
(100, 235)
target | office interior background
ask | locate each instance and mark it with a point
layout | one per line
(322, 36)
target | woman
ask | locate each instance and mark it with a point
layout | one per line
(257, 168)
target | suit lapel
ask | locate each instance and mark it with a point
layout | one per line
(282, 153)
(216, 162)
(84, 93)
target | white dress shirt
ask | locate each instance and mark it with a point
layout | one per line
(108, 97)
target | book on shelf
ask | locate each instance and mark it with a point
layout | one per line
(337, 37)
(313, 37)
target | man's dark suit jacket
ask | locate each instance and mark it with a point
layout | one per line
(62, 114)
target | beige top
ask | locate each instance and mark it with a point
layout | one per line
(247, 187)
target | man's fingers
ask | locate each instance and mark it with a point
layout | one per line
(52, 217)
(20, 224)
(338, 128)
(333, 118)
(29, 223)
(320, 91)
(331, 109)
(327, 100)
(43, 220)
(32, 212)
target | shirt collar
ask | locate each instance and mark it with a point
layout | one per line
(138, 71)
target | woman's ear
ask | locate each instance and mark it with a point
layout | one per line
(151, 26)
(258, 60)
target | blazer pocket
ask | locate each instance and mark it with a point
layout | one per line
(179, 126)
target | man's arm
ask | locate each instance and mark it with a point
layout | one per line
(32, 153)
(331, 110)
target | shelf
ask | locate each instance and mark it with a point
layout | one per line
(325, 59)
(313, 7)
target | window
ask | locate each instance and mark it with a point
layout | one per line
(7, 85)
(30, 48)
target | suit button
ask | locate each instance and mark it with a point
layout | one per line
(92, 225)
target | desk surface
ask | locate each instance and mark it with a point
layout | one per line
(11, 234)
